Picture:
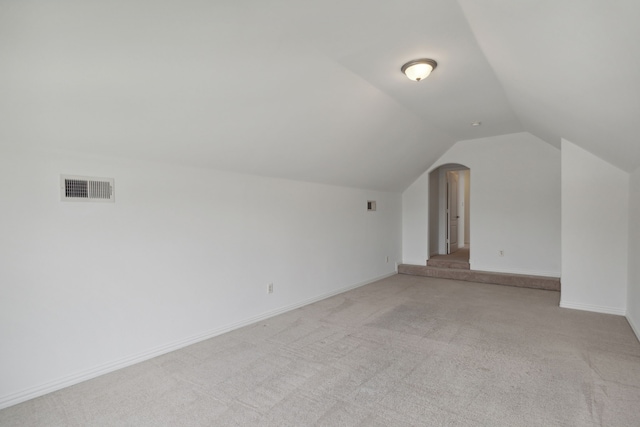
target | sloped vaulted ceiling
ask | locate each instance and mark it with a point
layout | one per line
(569, 68)
(312, 90)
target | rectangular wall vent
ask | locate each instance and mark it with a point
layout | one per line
(86, 189)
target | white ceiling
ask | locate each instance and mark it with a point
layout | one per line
(312, 90)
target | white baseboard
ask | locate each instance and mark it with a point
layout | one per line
(78, 377)
(634, 327)
(481, 267)
(594, 308)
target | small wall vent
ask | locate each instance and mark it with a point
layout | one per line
(371, 205)
(86, 189)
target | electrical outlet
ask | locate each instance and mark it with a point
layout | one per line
(270, 288)
(500, 252)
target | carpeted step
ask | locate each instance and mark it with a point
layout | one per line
(444, 263)
(508, 279)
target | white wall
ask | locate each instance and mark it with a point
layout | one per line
(462, 229)
(514, 204)
(467, 216)
(595, 215)
(415, 227)
(183, 254)
(633, 291)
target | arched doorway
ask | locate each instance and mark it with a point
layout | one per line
(449, 210)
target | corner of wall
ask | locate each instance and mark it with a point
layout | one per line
(633, 276)
(634, 327)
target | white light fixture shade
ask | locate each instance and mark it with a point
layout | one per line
(419, 69)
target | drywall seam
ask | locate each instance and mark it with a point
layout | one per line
(40, 390)
(594, 308)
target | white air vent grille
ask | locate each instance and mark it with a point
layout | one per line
(86, 189)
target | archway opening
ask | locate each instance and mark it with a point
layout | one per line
(449, 211)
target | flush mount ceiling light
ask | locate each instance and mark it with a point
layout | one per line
(419, 69)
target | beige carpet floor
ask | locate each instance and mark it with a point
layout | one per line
(404, 351)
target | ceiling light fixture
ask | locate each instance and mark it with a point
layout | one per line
(419, 69)
(478, 123)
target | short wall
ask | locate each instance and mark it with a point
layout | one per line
(595, 225)
(633, 291)
(415, 227)
(183, 254)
